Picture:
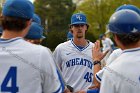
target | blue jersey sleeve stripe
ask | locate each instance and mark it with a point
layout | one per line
(59, 90)
(97, 77)
(62, 86)
(93, 91)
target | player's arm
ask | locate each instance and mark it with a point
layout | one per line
(97, 57)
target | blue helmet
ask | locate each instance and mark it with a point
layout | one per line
(130, 7)
(18, 8)
(36, 19)
(35, 31)
(78, 18)
(124, 22)
(69, 35)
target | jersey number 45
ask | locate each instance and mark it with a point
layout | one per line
(88, 77)
(11, 75)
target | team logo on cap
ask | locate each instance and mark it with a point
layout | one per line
(79, 17)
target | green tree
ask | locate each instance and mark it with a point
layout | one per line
(55, 15)
(99, 11)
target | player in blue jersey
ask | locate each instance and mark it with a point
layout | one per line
(24, 67)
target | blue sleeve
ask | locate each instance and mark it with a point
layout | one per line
(62, 86)
(93, 91)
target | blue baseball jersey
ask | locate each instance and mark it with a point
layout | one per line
(76, 64)
(27, 68)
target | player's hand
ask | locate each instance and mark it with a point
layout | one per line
(67, 90)
(96, 52)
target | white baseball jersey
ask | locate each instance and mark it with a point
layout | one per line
(27, 68)
(107, 44)
(123, 75)
(111, 59)
(76, 64)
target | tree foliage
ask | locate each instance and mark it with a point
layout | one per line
(99, 11)
(55, 15)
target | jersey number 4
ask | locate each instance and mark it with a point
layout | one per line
(88, 77)
(11, 75)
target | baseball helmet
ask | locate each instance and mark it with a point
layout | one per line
(35, 31)
(36, 19)
(130, 7)
(69, 35)
(78, 18)
(124, 22)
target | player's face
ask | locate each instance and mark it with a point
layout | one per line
(79, 30)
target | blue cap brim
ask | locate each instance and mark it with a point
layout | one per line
(79, 23)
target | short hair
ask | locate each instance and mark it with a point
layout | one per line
(13, 23)
(128, 39)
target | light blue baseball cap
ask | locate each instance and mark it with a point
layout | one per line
(18, 8)
(78, 18)
(35, 31)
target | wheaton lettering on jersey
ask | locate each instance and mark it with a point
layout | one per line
(79, 61)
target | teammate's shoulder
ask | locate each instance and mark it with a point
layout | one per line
(117, 51)
(33, 47)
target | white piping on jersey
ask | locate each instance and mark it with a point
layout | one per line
(79, 48)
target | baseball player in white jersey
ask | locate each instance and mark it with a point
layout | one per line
(74, 57)
(123, 76)
(106, 42)
(116, 52)
(108, 45)
(110, 60)
(24, 67)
